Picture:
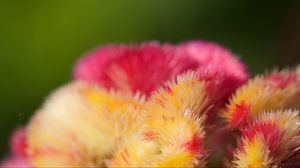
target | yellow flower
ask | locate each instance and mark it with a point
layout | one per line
(81, 124)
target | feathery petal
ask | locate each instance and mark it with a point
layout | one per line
(254, 153)
(143, 68)
(80, 125)
(134, 153)
(219, 66)
(174, 125)
(272, 140)
(136, 68)
(270, 92)
(215, 59)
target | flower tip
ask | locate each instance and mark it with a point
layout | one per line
(271, 140)
(134, 68)
(215, 57)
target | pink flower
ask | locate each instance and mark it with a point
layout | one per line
(145, 67)
(136, 68)
(216, 63)
(213, 57)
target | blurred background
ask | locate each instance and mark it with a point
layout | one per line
(41, 40)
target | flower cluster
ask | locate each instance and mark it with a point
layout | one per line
(164, 105)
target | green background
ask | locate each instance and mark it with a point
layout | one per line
(40, 40)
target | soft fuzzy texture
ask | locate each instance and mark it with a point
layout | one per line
(143, 68)
(217, 63)
(134, 68)
(173, 135)
(272, 140)
(163, 105)
(277, 90)
(80, 125)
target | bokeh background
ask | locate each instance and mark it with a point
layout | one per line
(40, 40)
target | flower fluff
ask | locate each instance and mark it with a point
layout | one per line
(174, 128)
(272, 140)
(277, 90)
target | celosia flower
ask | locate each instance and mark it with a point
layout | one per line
(136, 68)
(272, 140)
(145, 67)
(270, 92)
(80, 125)
(179, 108)
(218, 63)
(102, 118)
(173, 130)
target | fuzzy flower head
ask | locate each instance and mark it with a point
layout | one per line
(213, 58)
(143, 68)
(270, 92)
(218, 65)
(136, 68)
(143, 105)
(174, 128)
(80, 125)
(178, 105)
(272, 140)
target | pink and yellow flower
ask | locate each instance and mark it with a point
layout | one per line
(143, 68)
(272, 140)
(272, 91)
(157, 105)
(133, 68)
(81, 124)
(173, 135)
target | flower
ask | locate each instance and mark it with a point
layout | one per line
(173, 135)
(133, 68)
(80, 125)
(277, 90)
(164, 105)
(216, 62)
(143, 68)
(272, 140)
